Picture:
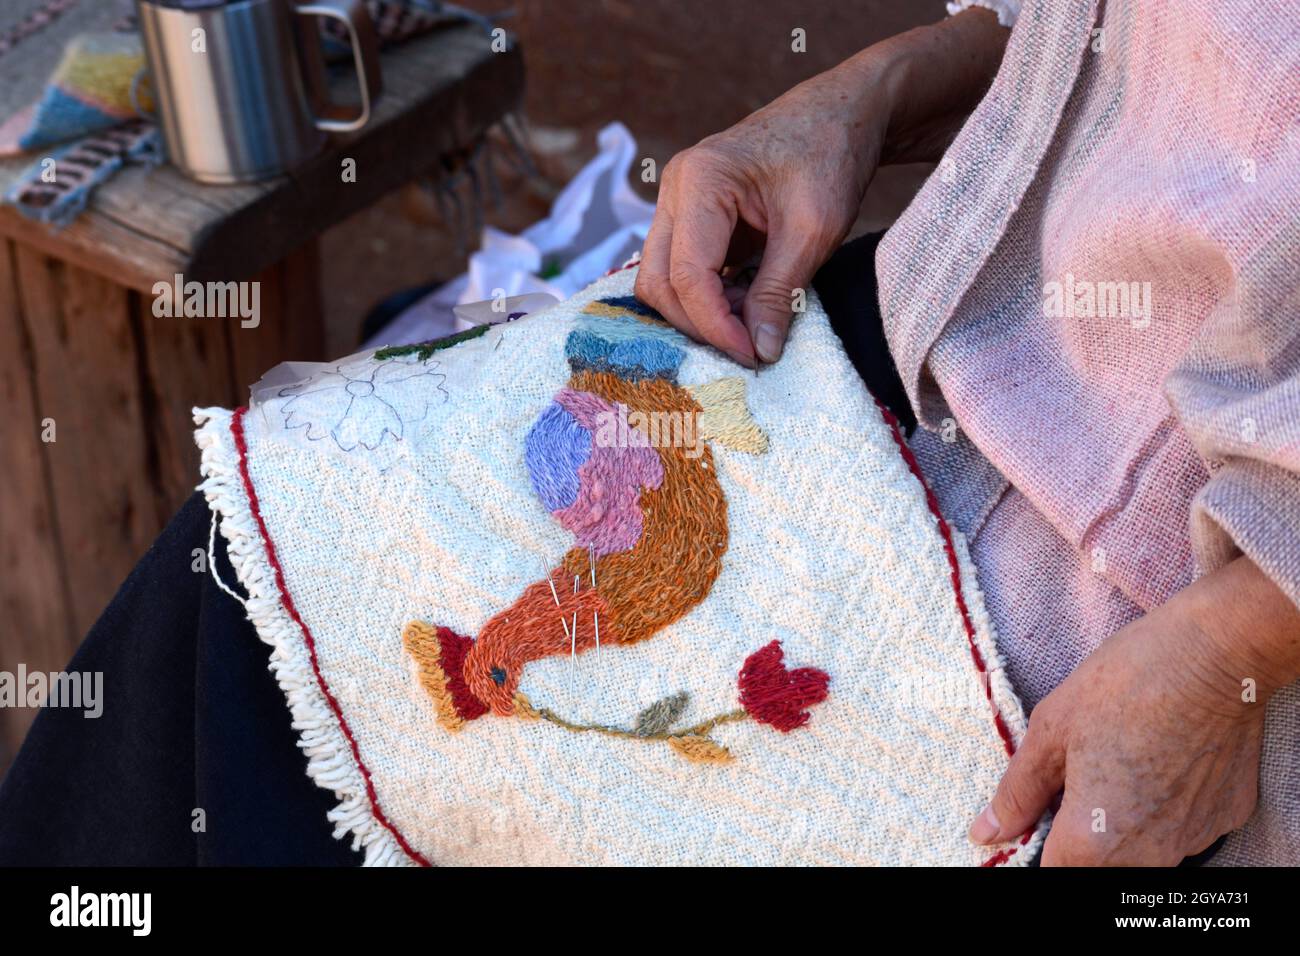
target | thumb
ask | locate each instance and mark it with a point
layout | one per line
(1034, 777)
(789, 261)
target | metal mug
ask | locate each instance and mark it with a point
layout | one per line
(254, 103)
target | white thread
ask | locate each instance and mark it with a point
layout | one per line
(212, 563)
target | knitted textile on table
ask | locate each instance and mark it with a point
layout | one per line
(87, 114)
(88, 92)
(572, 590)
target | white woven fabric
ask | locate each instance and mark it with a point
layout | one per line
(1007, 10)
(833, 550)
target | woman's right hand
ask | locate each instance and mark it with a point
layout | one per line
(789, 180)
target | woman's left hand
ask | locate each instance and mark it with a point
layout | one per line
(1155, 738)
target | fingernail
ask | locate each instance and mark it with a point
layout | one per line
(985, 829)
(768, 342)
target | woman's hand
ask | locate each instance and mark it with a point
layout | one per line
(1155, 738)
(792, 174)
(789, 180)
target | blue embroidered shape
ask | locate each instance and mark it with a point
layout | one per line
(556, 447)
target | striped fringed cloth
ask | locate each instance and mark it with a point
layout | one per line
(75, 171)
(1101, 293)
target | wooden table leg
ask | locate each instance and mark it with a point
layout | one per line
(96, 433)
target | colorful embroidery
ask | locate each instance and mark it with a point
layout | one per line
(619, 459)
(555, 449)
(660, 715)
(777, 696)
(725, 417)
(700, 749)
(605, 511)
(625, 306)
(440, 655)
(769, 693)
(690, 739)
(679, 555)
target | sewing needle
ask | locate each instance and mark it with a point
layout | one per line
(595, 615)
(551, 582)
(563, 623)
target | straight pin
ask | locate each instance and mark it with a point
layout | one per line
(555, 595)
(595, 615)
(573, 641)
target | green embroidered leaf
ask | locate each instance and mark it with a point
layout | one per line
(659, 716)
(700, 749)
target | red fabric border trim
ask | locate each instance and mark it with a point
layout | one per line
(241, 445)
(950, 550)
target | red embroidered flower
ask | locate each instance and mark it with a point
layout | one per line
(774, 695)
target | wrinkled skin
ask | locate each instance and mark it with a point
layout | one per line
(788, 180)
(792, 174)
(1151, 729)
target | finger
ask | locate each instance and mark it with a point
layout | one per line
(789, 262)
(736, 298)
(699, 248)
(1071, 841)
(652, 285)
(1034, 776)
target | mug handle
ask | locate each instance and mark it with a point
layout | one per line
(365, 56)
(141, 75)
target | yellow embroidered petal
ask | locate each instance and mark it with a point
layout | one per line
(700, 749)
(725, 418)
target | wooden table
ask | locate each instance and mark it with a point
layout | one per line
(80, 345)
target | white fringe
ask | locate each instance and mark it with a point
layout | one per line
(1004, 695)
(329, 755)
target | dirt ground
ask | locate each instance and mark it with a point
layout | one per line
(673, 71)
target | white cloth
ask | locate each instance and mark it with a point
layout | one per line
(1007, 10)
(595, 223)
(833, 550)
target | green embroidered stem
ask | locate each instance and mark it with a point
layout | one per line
(422, 350)
(699, 730)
